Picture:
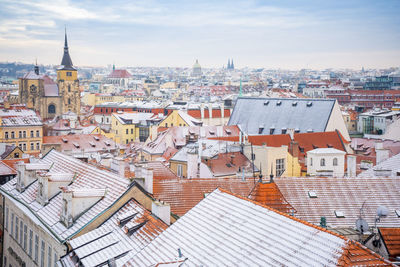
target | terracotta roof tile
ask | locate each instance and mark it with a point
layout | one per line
(184, 194)
(391, 238)
(269, 195)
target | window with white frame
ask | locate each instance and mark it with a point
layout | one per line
(335, 161)
(179, 170)
(280, 167)
(322, 163)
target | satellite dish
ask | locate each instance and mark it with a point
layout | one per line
(362, 225)
(382, 211)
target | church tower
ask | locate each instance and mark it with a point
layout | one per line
(68, 83)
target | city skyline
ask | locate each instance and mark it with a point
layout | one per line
(314, 35)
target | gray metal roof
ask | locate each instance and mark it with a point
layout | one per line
(281, 113)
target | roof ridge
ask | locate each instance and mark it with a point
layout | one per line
(284, 214)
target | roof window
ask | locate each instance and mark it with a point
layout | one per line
(339, 214)
(96, 138)
(297, 130)
(312, 194)
(266, 102)
(65, 140)
(294, 103)
(309, 104)
(310, 131)
(279, 103)
(76, 145)
(260, 128)
(228, 131)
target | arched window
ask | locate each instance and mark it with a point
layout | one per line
(322, 162)
(334, 161)
(51, 109)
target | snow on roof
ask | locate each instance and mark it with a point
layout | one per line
(87, 176)
(324, 151)
(344, 194)
(391, 166)
(226, 230)
(110, 240)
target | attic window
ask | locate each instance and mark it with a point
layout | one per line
(279, 103)
(206, 194)
(260, 128)
(339, 214)
(301, 149)
(312, 194)
(92, 144)
(294, 103)
(309, 104)
(329, 145)
(126, 217)
(309, 130)
(297, 130)
(266, 103)
(284, 130)
(76, 145)
(228, 131)
(65, 140)
(96, 138)
(107, 143)
(130, 230)
(211, 132)
(397, 213)
(271, 130)
(314, 146)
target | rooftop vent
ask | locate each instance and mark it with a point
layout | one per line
(312, 194)
(211, 132)
(294, 103)
(279, 103)
(309, 104)
(339, 214)
(266, 103)
(76, 145)
(122, 220)
(96, 138)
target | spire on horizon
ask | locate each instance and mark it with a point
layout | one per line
(66, 61)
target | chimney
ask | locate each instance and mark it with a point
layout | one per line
(78, 200)
(351, 166)
(162, 210)
(26, 173)
(49, 185)
(210, 110)
(291, 133)
(193, 160)
(202, 111)
(381, 153)
(294, 148)
(144, 176)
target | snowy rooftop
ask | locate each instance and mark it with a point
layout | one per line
(226, 230)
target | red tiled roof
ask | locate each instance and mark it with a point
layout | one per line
(169, 153)
(86, 142)
(6, 170)
(119, 74)
(391, 239)
(184, 194)
(227, 163)
(12, 163)
(160, 171)
(270, 195)
(270, 140)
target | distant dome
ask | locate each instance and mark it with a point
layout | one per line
(196, 69)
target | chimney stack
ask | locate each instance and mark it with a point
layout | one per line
(162, 210)
(381, 153)
(351, 165)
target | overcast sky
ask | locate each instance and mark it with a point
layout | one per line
(271, 34)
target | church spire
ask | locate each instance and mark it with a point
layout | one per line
(66, 60)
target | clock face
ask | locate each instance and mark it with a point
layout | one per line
(33, 88)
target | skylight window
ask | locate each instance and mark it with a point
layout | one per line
(339, 214)
(312, 194)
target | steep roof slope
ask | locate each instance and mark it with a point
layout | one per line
(228, 230)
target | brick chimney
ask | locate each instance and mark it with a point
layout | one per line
(294, 148)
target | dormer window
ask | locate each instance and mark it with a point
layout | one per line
(266, 102)
(309, 104)
(279, 103)
(284, 130)
(260, 128)
(271, 130)
(65, 140)
(294, 103)
(76, 145)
